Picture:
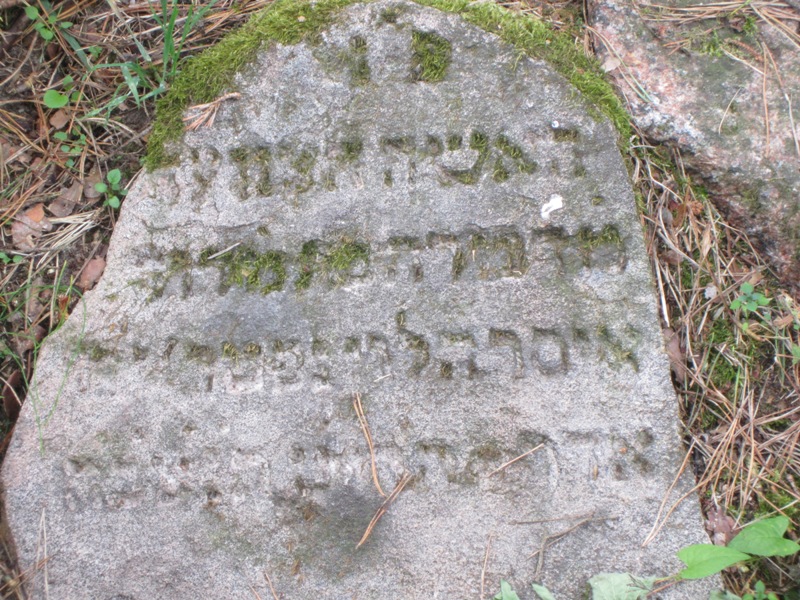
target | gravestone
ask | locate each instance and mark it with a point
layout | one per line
(405, 232)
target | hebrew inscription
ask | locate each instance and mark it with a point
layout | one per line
(406, 257)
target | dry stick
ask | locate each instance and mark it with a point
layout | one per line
(255, 593)
(384, 507)
(221, 252)
(727, 109)
(362, 420)
(552, 539)
(658, 526)
(485, 563)
(513, 460)
(271, 589)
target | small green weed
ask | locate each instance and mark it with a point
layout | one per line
(10, 260)
(111, 188)
(54, 99)
(750, 300)
(73, 143)
(150, 77)
(46, 25)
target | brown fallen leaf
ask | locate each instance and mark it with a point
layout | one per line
(677, 358)
(93, 178)
(29, 226)
(28, 339)
(12, 395)
(705, 243)
(66, 201)
(720, 526)
(35, 212)
(672, 257)
(91, 273)
(59, 119)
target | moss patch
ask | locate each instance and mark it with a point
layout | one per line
(264, 272)
(346, 254)
(207, 76)
(431, 55)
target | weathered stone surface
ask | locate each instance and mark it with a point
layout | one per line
(463, 255)
(700, 85)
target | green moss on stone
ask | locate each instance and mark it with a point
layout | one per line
(207, 76)
(359, 66)
(346, 254)
(307, 260)
(352, 148)
(454, 142)
(265, 272)
(431, 55)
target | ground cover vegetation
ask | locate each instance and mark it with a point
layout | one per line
(79, 81)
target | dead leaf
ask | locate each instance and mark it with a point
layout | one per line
(94, 177)
(29, 226)
(59, 119)
(35, 212)
(677, 358)
(671, 257)
(720, 526)
(91, 273)
(66, 201)
(28, 339)
(705, 243)
(12, 395)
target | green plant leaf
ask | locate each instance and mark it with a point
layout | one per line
(46, 34)
(702, 560)
(32, 12)
(114, 202)
(101, 187)
(60, 136)
(54, 99)
(736, 304)
(619, 586)
(765, 538)
(65, 24)
(543, 592)
(114, 176)
(747, 288)
(506, 592)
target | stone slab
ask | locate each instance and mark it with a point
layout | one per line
(457, 248)
(700, 87)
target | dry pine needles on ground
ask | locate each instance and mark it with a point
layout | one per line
(78, 82)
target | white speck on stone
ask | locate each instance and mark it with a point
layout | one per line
(555, 124)
(711, 292)
(556, 202)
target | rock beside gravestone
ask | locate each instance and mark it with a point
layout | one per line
(403, 215)
(700, 85)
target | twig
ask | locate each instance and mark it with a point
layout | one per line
(362, 420)
(271, 589)
(513, 460)
(384, 507)
(204, 114)
(552, 539)
(485, 564)
(221, 252)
